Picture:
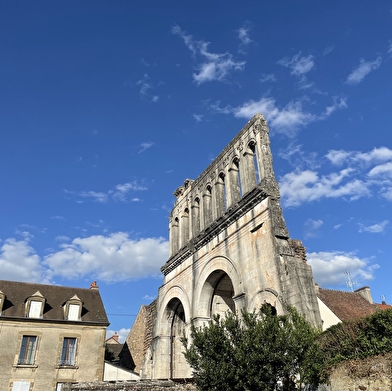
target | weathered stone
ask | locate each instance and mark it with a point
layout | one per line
(229, 249)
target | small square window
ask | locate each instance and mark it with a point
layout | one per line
(68, 352)
(27, 350)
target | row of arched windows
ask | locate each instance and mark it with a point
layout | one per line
(240, 177)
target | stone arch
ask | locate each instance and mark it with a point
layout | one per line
(173, 323)
(175, 292)
(269, 296)
(211, 275)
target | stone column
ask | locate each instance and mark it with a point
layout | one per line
(184, 226)
(174, 236)
(248, 172)
(195, 208)
(233, 190)
(207, 209)
(220, 202)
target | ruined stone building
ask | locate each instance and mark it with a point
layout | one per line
(229, 249)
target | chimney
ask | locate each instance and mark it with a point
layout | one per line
(94, 285)
(365, 293)
(115, 336)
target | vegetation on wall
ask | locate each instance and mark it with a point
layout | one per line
(254, 351)
(357, 338)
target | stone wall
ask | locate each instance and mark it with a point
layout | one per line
(370, 374)
(163, 385)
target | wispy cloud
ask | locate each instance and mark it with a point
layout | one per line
(145, 87)
(268, 77)
(287, 119)
(214, 66)
(118, 193)
(198, 117)
(329, 267)
(298, 64)
(312, 228)
(375, 228)
(243, 36)
(362, 70)
(328, 50)
(338, 103)
(145, 146)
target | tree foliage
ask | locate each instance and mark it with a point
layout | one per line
(253, 351)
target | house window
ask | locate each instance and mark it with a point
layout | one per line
(35, 309)
(68, 352)
(2, 298)
(73, 312)
(21, 386)
(27, 350)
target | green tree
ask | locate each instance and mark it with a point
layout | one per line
(253, 351)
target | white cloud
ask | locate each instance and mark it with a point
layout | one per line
(144, 146)
(352, 182)
(329, 267)
(19, 262)
(243, 36)
(268, 77)
(376, 155)
(306, 186)
(362, 70)
(382, 170)
(298, 65)
(214, 66)
(285, 120)
(122, 334)
(338, 103)
(95, 256)
(58, 218)
(375, 228)
(312, 227)
(198, 117)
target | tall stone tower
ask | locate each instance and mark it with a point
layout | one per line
(229, 249)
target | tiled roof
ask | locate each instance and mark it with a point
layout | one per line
(346, 305)
(384, 306)
(16, 294)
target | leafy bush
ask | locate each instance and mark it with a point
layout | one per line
(253, 351)
(358, 338)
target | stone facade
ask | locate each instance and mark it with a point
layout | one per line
(229, 249)
(49, 336)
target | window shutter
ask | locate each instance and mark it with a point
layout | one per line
(35, 309)
(73, 312)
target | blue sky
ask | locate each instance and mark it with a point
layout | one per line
(107, 106)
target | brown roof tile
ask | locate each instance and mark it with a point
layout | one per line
(346, 305)
(16, 294)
